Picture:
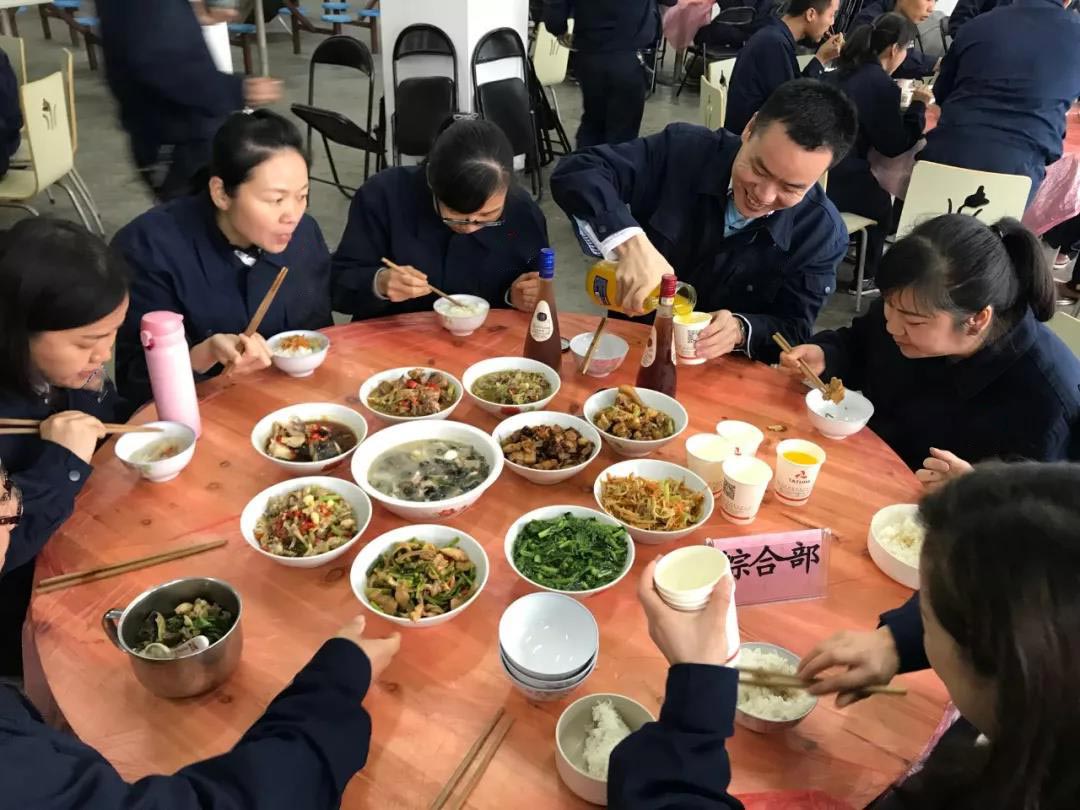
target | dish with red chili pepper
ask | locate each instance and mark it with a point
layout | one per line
(418, 393)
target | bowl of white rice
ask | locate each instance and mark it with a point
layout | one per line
(895, 542)
(587, 733)
(464, 317)
(767, 709)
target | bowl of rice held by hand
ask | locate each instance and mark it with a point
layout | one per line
(766, 709)
(587, 733)
(895, 542)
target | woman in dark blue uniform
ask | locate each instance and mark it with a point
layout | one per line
(918, 63)
(864, 71)
(457, 222)
(63, 295)
(213, 255)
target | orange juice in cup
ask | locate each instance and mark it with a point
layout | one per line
(688, 329)
(798, 463)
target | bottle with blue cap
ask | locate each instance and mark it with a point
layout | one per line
(543, 341)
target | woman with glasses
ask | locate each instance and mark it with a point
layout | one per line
(456, 222)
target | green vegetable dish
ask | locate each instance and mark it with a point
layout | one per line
(569, 553)
(512, 387)
(187, 620)
(418, 580)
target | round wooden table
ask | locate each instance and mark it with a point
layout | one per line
(446, 683)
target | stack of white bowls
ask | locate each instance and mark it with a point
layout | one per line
(548, 645)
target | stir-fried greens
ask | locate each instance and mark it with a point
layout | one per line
(570, 553)
(630, 418)
(187, 620)
(429, 470)
(417, 393)
(512, 387)
(306, 522)
(665, 506)
(418, 580)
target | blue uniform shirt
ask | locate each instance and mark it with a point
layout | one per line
(776, 272)
(182, 263)
(917, 64)
(967, 10)
(606, 26)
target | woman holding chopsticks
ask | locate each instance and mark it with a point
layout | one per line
(213, 256)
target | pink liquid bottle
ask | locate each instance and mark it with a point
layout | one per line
(169, 365)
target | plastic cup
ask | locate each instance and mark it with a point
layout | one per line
(686, 578)
(688, 329)
(705, 456)
(795, 476)
(744, 437)
(745, 480)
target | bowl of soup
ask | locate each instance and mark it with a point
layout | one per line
(299, 352)
(159, 456)
(427, 471)
(504, 386)
(309, 438)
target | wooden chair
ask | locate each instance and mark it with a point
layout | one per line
(79, 185)
(713, 103)
(719, 72)
(938, 189)
(15, 48)
(856, 227)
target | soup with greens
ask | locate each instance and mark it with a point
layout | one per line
(429, 470)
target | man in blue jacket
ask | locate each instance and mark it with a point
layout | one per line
(968, 10)
(918, 64)
(743, 219)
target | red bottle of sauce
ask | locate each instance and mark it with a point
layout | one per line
(543, 341)
(658, 362)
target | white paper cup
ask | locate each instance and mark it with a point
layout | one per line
(688, 329)
(705, 456)
(744, 437)
(794, 479)
(745, 480)
(686, 579)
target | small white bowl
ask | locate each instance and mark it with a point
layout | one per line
(548, 636)
(303, 365)
(158, 471)
(609, 355)
(535, 419)
(548, 513)
(372, 382)
(892, 566)
(477, 370)
(838, 421)
(424, 511)
(631, 448)
(306, 411)
(545, 695)
(350, 492)
(437, 535)
(711, 565)
(462, 325)
(760, 724)
(657, 471)
(570, 733)
(523, 679)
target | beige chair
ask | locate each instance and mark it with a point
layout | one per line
(15, 49)
(713, 104)
(1067, 328)
(721, 68)
(938, 189)
(856, 225)
(550, 60)
(68, 67)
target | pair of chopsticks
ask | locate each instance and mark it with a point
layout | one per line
(389, 265)
(752, 676)
(30, 427)
(786, 347)
(593, 345)
(61, 581)
(264, 307)
(500, 726)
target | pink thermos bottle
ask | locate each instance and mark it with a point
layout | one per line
(169, 364)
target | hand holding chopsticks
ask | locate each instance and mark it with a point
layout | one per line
(252, 329)
(752, 676)
(28, 427)
(834, 390)
(416, 277)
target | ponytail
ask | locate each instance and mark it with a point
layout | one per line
(867, 42)
(1037, 287)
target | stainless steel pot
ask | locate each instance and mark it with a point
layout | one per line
(191, 674)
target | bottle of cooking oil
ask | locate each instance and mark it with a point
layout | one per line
(603, 288)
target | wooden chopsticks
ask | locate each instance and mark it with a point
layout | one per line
(496, 729)
(61, 581)
(264, 305)
(593, 345)
(810, 375)
(391, 266)
(781, 680)
(29, 427)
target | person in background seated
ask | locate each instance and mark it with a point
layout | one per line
(457, 221)
(63, 295)
(957, 358)
(917, 64)
(864, 72)
(302, 752)
(11, 120)
(768, 58)
(213, 255)
(741, 219)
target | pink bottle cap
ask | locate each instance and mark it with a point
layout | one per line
(160, 324)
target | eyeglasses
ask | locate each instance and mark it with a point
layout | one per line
(9, 492)
(495, 223)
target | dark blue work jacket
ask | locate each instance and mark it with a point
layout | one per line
(11, 120)
(182, 263)
(1017, 398)
(606, 26)
(967, 10)
(917, 64)
(766, 61)
(1005, 87)
(393, 216)
(776, 273)
(308, 744)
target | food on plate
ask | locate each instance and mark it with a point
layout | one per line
(630, 418)
(834, 391)
(547, 447)
(312, 440)
(429, 470)
(160, 634)
(666, 506)
(417, 393)
(570, 553)
(608, 729)
(771, 702)
(418, 580)
(308, 521)
(159, 450)
(512, 387)
(298, 346)
(903, 540)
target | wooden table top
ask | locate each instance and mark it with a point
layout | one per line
(446, 683)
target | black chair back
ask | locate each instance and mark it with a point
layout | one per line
(423, 39)
(502, 43)
(336, 127)
(345, 51)
(421, 103)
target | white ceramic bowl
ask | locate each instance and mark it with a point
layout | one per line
(652, 399)
(462, 325)
(545, 695)
(263, 429)
(760, 724)
(709, 563)
(424, 511)
(523, 679)
(396, 374)
(893, 567)
(838, 421)
(609, 355)
(657, 471)
(166, 469)
(548, 636)
(302, 365)
(349, 491)
(570, 733)
(549, 512)
(477, 370)
(534, 419)
(437, 535)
